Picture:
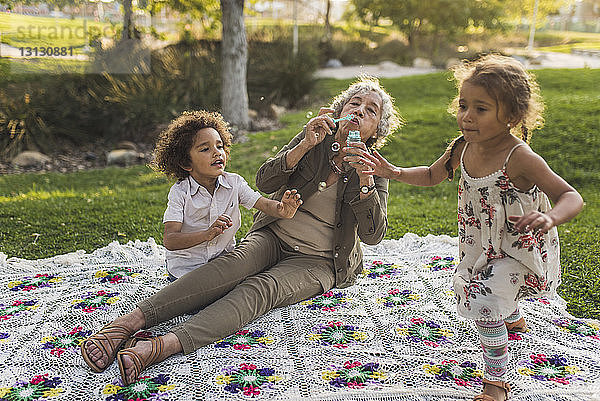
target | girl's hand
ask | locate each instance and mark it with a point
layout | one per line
(217, 228)
(532, 221)
(357, 157)
(290, 202)
(318, 127)
(374, 164)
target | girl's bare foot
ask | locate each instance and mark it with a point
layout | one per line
(493, 391)
(99, 353)
(520, 326)
(146, 353)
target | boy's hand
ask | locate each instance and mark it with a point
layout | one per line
(532, 221)
(290, 202)
(217, 228)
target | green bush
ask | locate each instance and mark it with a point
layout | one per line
(275, 75)
(40, 110)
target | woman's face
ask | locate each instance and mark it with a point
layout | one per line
(366, 107)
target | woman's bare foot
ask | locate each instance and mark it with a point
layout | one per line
(133, 322)
(143, 349)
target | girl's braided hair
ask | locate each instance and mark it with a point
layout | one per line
(172, 151)
(515, 90)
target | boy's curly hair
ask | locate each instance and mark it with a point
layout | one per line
(173, 146)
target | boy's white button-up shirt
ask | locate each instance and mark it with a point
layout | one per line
(193, 206)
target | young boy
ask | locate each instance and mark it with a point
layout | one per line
(203, 214)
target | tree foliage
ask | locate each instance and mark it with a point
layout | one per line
(523, 9)
(447, 17)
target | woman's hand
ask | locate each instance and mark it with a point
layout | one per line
(370, 164)
(532, 221)
(290, 202)
(317, 128)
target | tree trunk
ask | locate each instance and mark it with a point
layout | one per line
(127, 29)
(327, 23)
(234, 53)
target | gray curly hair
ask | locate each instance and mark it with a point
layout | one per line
(391, 120)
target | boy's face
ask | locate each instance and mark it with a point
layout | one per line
(207, 155)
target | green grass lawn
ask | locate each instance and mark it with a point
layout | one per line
(47, 214)
(565, 42)
(26, 30)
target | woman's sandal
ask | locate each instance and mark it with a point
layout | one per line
(140, 364)
(485, 397)
(109, 340)
(520, 326)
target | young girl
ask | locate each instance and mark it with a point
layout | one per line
(203, 214)
(507, 228)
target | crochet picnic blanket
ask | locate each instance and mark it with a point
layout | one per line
(394, 335)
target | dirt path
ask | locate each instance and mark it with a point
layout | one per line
(388, 69)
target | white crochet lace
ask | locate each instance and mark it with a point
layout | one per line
(397, 333)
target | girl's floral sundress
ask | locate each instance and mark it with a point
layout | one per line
(498, 265)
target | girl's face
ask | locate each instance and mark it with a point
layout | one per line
(478, 116)
(366, 107)
(207, 155)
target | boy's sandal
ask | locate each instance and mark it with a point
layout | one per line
(109, 340)
(520, 326)
(485, 397)
(140, 364)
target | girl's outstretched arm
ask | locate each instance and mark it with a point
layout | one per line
(422, 176)
(526, 168)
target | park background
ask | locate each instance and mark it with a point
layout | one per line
(76, 109)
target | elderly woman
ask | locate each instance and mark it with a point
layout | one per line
(279, 262)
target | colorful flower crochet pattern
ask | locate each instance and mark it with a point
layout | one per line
(33, 283)
(95, 300)
(16, 308)
(40, 387)
(378, 269)
(396, 297)
(115, 275)
(354, 375)
(553, 368)
(248, 379)
(330, 301)
(429, 333)
(146, 388)
(579, 327)
(438, 263)
(463, 374)
(337, 334)
(63, 341)
(245, 340)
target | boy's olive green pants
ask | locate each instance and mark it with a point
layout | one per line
(260, 274)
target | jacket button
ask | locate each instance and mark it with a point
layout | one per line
(336, 255)
(339, 270)
(337, 247)
(296, 248)
(370, 230)
(339, 225)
